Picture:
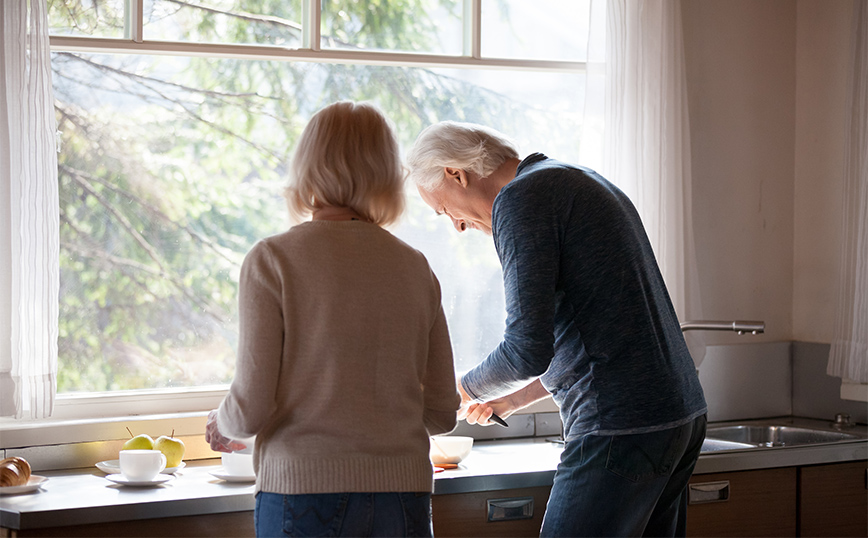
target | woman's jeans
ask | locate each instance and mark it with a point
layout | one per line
(624, 485)
(343, 514)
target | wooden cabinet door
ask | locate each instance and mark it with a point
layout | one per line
(833, 499)
(235, 524)
(753, 503)
(467, 514)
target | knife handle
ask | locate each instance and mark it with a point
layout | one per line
(497, 419)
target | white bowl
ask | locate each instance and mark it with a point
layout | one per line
(450, 448)
(237, 463)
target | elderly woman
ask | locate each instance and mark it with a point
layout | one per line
(340, 324)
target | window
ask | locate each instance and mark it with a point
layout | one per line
(177, 118)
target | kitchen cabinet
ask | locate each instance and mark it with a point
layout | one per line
(501, 513)
(744, 503)
(813, 500)
(236, 524)
(833, 499)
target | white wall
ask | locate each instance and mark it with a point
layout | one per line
(822, 59)
(741, 73)
(766, 83)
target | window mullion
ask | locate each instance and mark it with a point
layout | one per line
(310, 26)
(473, 28)
(134, 16)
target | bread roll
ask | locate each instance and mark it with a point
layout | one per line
(14, 471)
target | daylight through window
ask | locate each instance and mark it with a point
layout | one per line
(172, 159)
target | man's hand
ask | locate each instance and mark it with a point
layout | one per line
(218, 442)
(480, 413)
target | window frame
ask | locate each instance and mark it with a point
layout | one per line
(96, 408)
(310, 51)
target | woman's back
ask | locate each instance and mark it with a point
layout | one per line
(362, 333)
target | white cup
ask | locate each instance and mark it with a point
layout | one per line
(141, 465)
(238, 463)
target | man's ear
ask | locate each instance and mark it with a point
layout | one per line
(456, 174)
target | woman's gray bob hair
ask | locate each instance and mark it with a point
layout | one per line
(467, 146)
(347, 156)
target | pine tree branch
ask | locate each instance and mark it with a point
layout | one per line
(251, 17)
(154, 211)
(147, 247)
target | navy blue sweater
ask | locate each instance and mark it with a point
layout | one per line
(587, 309)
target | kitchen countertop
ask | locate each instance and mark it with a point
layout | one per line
(84, 496)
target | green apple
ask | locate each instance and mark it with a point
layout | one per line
(172, 447)
(142, 441)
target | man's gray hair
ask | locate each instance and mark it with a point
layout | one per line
(467, 146)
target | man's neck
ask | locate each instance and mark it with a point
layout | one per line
(503, 174)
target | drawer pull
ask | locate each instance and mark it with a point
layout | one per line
(510, 509)
(708, 492)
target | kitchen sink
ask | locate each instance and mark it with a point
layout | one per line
(774, 436)
(713, 445)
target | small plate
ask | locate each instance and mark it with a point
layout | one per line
(32, 485)
(122, 480)
(223, 475)
(114, 467)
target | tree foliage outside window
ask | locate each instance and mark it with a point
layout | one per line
(171, 167)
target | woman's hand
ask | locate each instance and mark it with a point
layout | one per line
(218, 442)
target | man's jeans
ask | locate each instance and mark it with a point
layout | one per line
(624, 485)
(343, 514)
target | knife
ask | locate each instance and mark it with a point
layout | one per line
(497, 419)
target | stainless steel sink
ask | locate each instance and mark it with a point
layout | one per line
(713, 445)
(775, 436)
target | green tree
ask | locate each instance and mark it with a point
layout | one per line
(170, 168)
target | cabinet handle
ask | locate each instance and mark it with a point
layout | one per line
(510, 509)
(708, 492)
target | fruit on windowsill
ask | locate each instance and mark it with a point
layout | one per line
(142, 441)
(172, 447)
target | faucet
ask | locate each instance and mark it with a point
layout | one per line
(741, 327)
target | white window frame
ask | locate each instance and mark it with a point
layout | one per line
(310, 51)
(98, 408)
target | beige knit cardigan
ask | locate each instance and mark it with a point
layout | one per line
(344, 364)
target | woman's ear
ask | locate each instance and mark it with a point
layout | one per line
(456, 174)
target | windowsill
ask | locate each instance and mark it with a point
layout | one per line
(853, 390)
(84, 418)
(57, 432)
(183, 412)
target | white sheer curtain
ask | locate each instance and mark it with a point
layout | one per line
(28, 162)
(848, 357)
(647, 140)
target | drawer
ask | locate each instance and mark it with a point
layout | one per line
(515, 512)
(747, 503)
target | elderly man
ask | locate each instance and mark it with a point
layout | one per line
(589, 321)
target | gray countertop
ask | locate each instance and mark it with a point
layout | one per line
(84, 496)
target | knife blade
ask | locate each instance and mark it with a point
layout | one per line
(497, 419)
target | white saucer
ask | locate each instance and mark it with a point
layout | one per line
(32, 485)
(114, 467)
(223, 475)
(122, 480)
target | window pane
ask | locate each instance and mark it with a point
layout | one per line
(539, 30)
(93, 18)
(426, 26)
(171, 168)
(267, 22)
